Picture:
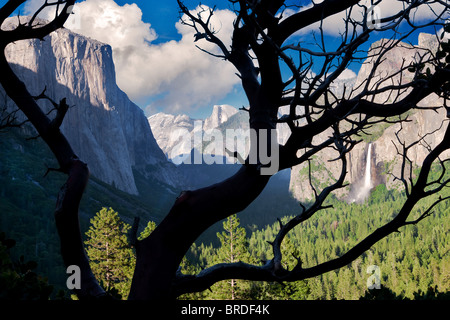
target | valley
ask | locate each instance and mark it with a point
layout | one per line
(137, 168)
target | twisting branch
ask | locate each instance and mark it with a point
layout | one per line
(29, 30)
(9, 8)
(427, 212)
(206, 33)
(322, 108)
(270, 271)
(8, 118)
(61, 109)
(407, 163)
(259, 50)
(69, 197)
(343, 149)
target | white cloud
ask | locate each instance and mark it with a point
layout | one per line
(188, 76)
(31, 6)
(335, 24)
(179, 74)
(177, 71)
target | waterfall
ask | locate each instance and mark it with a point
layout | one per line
(368, 174)
(361, 189)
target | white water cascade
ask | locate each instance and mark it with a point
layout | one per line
(362, 188)
(368, 172)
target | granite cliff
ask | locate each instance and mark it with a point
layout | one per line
(384, 161)
(104, 127)
(170, 130)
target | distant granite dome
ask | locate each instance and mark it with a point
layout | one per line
(104, 127)
(219, 115)
(166, 127)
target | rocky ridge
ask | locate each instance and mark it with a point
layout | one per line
(175, 133)
(104, 127)
(385, 161)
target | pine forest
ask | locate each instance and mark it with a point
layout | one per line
(411, 264)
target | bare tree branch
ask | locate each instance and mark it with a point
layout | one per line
(69, 197)
(271, 270)
(318, 117)
(29, 31)
(259, 51)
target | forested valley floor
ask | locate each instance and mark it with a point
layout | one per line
(411, 264)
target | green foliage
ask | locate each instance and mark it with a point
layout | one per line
(28, 197)
(151, 226)
(414, 263)
(18, 281)
(234, 248)
(112, 259)
(27, 203)
(411, 261)
(233, 242)
(386, 294)
(380, 294)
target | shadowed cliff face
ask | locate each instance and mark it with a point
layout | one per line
(385, 160)
(104, 127)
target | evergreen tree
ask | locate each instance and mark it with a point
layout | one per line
(112, 259)
(18, 281)
(151, 226)
(297, 290)
(234, 248)
(186, 267)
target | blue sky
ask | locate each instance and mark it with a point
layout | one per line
(164, 14)
(157, 63)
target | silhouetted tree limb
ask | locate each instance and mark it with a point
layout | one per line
(272, 271)
(257, 28)
(261, 46)
(66, 213)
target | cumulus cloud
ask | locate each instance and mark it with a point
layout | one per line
(179, 74)
(335, 24)
(189, 76)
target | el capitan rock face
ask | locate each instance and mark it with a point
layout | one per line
(113, 136)
(105, 128)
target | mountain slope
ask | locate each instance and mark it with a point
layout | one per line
(104, 127)
(384, 160)
(177, 135)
